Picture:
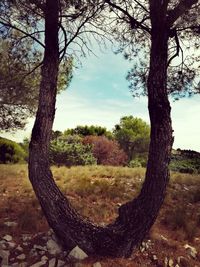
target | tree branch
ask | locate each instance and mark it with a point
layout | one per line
(63, 51)
(80, 27)
(179, 10)
(36, 67)
(141, 6)
(20, 30)
(177, 47)
(134, 23)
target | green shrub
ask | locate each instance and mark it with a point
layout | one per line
(71, 153)
(10, 151)
(135, 163)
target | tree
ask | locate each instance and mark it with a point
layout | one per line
(10, 152)
(137, 216)
(19, 94)
(134, 36)
(20, 78)
(107, 152)
(133, 136)
(89, 130)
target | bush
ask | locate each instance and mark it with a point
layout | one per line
(107, 152)
(71, 152)
(135, 163)
(10, 151)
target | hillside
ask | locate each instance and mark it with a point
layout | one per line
(185, 161)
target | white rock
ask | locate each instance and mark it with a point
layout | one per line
(171, 263)
(142, 249)
(53, 247)
(97, 264)
(10, 224)
(26, 237)
(11, 244)
(44, 259)
(21, 257)
(7, 238)
(155, 258)
(4, 254)
(77, 254)
(52, 262)
(191, 250)
(19, 248)
(166, 262)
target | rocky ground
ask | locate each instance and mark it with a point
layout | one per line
(43, 249)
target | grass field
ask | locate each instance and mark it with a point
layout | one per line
(97, 192)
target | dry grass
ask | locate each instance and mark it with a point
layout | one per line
(97, 192)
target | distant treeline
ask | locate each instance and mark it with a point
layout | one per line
(126, 145)
(187, 161)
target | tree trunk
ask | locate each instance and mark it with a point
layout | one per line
(135, 217)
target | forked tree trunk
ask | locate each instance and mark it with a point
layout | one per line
(135, 217)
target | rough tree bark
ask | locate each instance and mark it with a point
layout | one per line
(135, 217)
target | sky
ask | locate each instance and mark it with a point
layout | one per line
(99, 95)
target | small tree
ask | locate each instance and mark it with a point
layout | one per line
(107, 152)
(133, 135)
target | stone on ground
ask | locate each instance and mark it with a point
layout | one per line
(77, 254)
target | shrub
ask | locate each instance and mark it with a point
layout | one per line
(70, 152)
(135, 163)
(10, 151)
(107, 152)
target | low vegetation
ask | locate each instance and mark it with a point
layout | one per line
(11, 152)
(97, 192)
(127, 145)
